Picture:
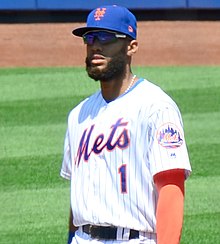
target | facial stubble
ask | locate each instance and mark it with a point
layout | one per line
(115, 67)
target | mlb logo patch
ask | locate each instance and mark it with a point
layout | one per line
(169, 136)
(130, 29)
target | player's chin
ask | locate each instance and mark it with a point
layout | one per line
(94, 72)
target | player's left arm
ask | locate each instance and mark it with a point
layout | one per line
(169, 214)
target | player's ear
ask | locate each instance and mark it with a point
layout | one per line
(132, 47)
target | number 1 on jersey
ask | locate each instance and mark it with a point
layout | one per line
(123, 179)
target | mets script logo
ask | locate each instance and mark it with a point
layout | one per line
(99, 13)
(117, 137)
(169, 136)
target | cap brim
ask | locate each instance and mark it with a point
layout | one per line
(82, 30)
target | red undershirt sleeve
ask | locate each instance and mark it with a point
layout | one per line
(169, 214)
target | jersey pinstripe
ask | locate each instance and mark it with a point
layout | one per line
(113, 150)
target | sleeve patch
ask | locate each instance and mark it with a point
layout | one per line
(169, 136)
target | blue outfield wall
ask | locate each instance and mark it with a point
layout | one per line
(90, 4)
(204, 4)
(18, 4)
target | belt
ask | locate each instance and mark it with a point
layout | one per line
(107, 232)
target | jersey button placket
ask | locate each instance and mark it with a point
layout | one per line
(95, 192)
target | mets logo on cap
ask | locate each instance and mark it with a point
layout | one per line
(99, 13)
(169, 136)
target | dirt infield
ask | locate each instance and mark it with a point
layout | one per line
(160, 43)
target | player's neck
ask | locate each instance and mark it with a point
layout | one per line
(114, 88)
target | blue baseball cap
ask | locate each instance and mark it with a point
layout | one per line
(112, 18)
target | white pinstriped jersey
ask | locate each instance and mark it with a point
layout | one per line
(113, 150)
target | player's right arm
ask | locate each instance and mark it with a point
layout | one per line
(65, 172)
(72, 228)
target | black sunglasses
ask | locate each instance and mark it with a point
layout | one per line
(104, 37)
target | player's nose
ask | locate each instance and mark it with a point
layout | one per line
(96, 46)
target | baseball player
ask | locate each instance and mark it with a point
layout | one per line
(124, 150)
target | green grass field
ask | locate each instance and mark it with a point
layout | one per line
(34, 104)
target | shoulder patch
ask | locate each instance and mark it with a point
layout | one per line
(169, 136)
